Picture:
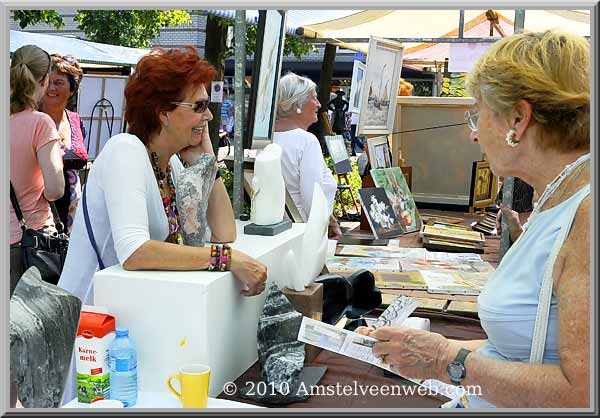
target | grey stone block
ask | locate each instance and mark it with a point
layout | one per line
(43, 327)
(268, 230)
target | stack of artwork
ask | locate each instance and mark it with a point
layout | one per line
(487, 224)
(451, 238)
(393, 182)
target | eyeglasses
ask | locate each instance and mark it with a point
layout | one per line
(199, 107)
(472, 119)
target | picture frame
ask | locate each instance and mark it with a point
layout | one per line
(356, 86)
(379, 213)
(393, 182)
(268, 58)
(379, 152)
(378, 101)
(339, 154)
(484, 185)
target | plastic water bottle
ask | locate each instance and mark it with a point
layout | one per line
(123, 368)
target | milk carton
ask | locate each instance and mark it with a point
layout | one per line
(94, 335)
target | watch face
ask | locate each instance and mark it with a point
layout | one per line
(456, 371)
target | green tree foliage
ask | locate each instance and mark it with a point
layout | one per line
(31, 17)
(294, 45)
(132, 28)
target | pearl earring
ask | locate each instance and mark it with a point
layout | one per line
(298, 110)
(510, 138)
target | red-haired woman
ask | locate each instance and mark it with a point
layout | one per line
(131, 189)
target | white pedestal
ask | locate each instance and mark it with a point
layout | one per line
(204, 309)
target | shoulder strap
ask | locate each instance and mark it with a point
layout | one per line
(13, 198)
(540, 329)
(90, 231)
(16, 207)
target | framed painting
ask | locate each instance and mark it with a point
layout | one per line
(378, 102)
(339, 155)
(393, 182)
(379, 213)
(356, 86)
(268, 58)
(379, 152)
(483, 185)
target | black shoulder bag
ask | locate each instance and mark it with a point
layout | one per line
(43, 250)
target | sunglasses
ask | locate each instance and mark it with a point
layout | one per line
(69, 58)
(199, 107)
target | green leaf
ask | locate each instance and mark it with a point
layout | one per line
(31, 17)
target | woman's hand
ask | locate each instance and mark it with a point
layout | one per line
(334, 232)
(192, 153)
(512, 218)
(250, 272)
(413, 353)
(364, 330)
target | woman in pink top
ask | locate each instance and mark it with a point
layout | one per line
(36, 160)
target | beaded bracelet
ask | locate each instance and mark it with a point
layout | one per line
(214, 257)
(225, 258)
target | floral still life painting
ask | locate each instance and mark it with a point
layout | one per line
(379, 213)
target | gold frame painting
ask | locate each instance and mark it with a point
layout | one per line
(484, 185)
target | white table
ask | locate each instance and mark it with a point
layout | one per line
(205, 309)
(167, 400)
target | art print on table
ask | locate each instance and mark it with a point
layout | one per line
(379, 213)
(393, 182)
(378, 105)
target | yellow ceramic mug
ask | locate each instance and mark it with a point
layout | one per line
(193, 380)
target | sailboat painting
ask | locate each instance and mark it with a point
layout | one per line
(378, 105)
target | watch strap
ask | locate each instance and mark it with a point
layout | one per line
(462, 356)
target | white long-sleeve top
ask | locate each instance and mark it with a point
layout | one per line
(125, 209)
(303, 165)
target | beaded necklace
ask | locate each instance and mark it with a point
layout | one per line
(554, 184)
(169, 202)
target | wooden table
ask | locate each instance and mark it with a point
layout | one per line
(412, 240)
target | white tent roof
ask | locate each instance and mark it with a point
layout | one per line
(433, 23)
(85, 51)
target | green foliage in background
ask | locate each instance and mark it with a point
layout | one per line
(227, 176)
(131, 28)
(355, 182)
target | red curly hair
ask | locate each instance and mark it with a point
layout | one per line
(162, 77)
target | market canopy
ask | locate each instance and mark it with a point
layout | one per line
(85, 51)
(353, 31)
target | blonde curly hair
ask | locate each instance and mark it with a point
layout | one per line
(550, 70)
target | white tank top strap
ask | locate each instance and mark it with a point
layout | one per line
(543, 311)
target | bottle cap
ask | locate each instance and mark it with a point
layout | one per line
(121, 332)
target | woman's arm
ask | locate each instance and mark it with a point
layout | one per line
(311, 172)
(51, 164)
(423, 354)
(220, 215)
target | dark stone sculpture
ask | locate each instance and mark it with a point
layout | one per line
(281, 355)
(43, 326)
(339, 106)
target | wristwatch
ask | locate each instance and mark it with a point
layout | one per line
(456, 370)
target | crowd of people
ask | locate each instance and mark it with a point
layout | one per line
(530, 118)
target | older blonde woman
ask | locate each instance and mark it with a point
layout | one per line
(302, 162)
(531, 118)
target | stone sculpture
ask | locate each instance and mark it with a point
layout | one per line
(43, 326)
(304, 266)
(268, 199)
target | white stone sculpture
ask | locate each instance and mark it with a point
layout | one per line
(268, 198)
(302, 269)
